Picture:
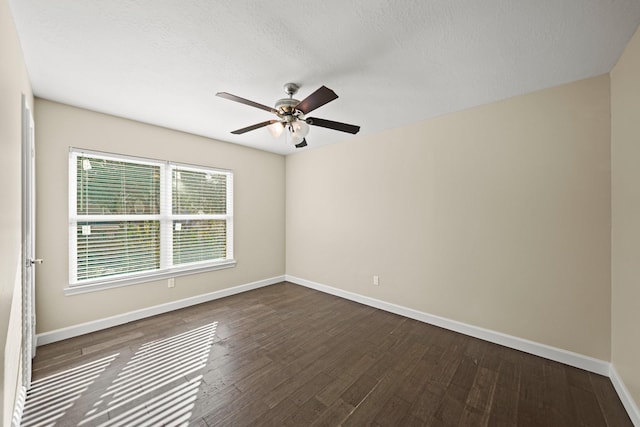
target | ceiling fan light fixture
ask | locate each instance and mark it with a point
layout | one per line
(298, 130)
(276, 129)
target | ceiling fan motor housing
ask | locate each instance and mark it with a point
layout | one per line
(287, 109)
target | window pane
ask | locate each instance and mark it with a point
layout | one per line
(199, 193)
(110, 248)
(201, 240)
(110, 187)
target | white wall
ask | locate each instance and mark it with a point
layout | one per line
(625, 152)
(497, 216)
(13, 83)
(258, 209)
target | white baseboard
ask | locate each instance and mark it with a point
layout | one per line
(563, 356)
(96, 325)
(627, 401)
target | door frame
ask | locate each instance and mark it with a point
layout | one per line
(28, 242)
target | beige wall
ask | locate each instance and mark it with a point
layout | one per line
(497, 216)
(258, 208)
(625, 246)
(13, 83)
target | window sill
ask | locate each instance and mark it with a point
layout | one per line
(109, 283)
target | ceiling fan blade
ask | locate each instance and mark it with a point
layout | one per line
(316, 99)
(231, 97)
(253, 127)
(302, 144)
(343, 127)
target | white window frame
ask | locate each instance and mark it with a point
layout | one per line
(166, 218)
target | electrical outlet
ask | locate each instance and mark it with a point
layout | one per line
(171, 283)
(376, 280)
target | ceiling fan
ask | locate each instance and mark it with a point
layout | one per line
(292, 114)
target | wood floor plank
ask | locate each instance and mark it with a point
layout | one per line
(609, 403)
(289, 355)
(311, 388)
(371, 404)
(426, 402)
(278, 414)
(587, 408)
(244, 410)
(411, 421)
(531, 402)
(354, 364)
(557, 396)
(306, 414)
(359, 390)
(334, 389)
(393, 410)
(450, 408)
(504, 406)
(263, 379)
(337, 412)
(482, 391)
(473, 417)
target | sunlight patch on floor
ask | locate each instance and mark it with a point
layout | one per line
(49, 398)
(157, 386)
(157, 365)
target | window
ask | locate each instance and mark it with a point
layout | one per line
(135, 219)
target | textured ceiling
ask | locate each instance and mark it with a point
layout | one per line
(391, 62)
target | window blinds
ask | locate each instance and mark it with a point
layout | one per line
(131, 216)
(199, 199)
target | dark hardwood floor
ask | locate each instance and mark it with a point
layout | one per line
(287, 355)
